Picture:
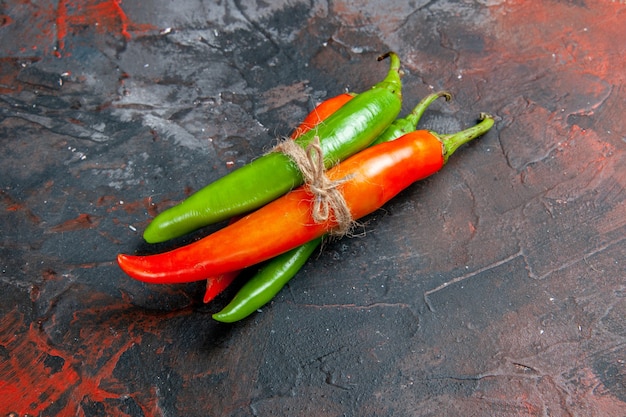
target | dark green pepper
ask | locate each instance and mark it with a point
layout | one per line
(349, 130)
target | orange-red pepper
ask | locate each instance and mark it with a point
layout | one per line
(370, 179)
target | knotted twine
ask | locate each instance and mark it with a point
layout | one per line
(328, 202)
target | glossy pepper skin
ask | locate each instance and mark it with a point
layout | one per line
(347, 131)
(409, 123)
(277, 272)
(371, 178)
(215, 285)
(270, 279)
(321, 112)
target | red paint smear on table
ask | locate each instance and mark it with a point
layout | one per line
(83, 221)
(36, 376)
(590, 39)
(107, 16)
(579, 66)
(30, 380)
(146, 204)
(15, 206)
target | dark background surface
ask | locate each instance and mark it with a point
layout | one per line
(496, 287)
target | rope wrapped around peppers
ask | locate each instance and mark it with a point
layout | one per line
(367, 181)
(216, 284)
(281, 273)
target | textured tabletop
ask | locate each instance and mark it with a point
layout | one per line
(496, 287)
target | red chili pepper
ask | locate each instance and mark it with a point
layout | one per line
(370, 179)
(321, 112)
(215, 285)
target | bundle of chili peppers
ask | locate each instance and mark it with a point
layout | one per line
(278, 221)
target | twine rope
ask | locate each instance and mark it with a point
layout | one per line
(328, 202)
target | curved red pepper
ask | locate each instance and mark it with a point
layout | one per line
(373, 177)
(321, 112)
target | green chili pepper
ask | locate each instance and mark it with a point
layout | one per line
(409, 123)
(277, 272)
(349, 130)
(270, 279)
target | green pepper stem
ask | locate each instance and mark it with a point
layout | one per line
(453, 141)
(417, 113)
